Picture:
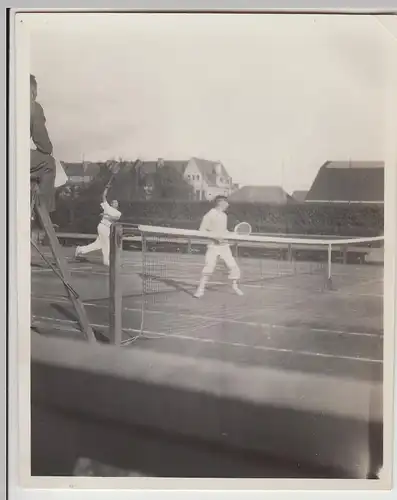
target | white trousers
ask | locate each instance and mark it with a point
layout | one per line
(101, 243)
(224, 252)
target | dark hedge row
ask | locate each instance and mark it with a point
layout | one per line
(326, 219)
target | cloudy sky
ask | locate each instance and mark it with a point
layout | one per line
(272, 97)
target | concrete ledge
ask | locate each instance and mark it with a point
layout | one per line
(312, 419)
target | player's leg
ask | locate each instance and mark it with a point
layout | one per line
(92, 247)
(211, 257)
(104, 238)
(226, 255)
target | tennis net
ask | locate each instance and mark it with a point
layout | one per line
(155, 265)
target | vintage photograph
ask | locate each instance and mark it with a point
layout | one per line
(207, 245)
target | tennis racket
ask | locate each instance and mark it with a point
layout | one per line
(243, 228)
(114, 169)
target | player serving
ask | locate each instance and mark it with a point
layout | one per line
(215, 222)
(110, 215)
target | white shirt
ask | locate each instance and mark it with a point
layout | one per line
(215, 222)
(110, 214)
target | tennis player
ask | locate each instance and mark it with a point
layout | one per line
(110, 215)
(215, 221)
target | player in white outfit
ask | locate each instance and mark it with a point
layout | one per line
(110, 215)
(215, 221)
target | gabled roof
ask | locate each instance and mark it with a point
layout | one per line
(207, 170)
(354, 164)
(344, 181)
(261, 194)
(150, 167)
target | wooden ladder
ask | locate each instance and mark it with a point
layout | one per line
(61, 269)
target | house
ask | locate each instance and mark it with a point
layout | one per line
(208, 178)
(273, 195)
(348, 182)
(299, 196)
(80, 173)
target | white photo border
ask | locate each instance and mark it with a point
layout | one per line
(19, 267)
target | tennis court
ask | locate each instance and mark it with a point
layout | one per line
(284, 320)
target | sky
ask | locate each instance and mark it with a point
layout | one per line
(272, 97)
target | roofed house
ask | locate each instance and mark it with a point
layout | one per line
(273, 195)
(349, 182)
(208, 178)
(205, 179)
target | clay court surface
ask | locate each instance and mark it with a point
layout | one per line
(286, 319)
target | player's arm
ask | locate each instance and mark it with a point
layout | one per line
(206, 223)
(105, 195)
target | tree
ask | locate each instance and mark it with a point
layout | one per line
(170, 184)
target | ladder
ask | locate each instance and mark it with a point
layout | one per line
(61, 269)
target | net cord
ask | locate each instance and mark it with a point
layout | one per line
(231, 236)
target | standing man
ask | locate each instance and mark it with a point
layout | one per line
(215, 222)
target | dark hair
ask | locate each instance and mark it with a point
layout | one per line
(219, 198)
(33, 80)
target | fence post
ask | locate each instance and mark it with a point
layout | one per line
(345, 254)
(115, 288)
(289, 252)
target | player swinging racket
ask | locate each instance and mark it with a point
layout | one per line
(110, 215)
(215, 221)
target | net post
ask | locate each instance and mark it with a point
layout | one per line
(115, 289)
(329, 270)
(144, 282)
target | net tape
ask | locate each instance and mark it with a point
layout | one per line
(233, 237)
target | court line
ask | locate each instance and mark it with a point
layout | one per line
(226, 319)
(268, 286)
(364, 283)
(88, 270)
(72, 269)
(213, 341)
(253, 264)
(259, 324)
(218, 283)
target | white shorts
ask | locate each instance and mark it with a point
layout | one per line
(224, 252)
